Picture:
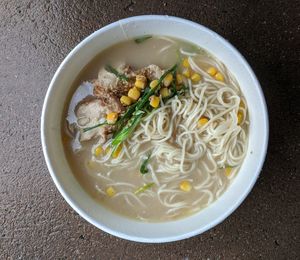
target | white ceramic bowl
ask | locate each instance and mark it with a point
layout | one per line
(61, 172)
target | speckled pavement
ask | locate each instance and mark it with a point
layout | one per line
(35, 221)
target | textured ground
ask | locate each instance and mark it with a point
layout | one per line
(35, 221)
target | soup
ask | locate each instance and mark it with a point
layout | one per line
(156, 128)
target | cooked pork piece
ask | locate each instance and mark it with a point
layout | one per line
(121, 88)
(90, 111)
(109, 82)
(151, 72)
(109, 98)
(128, 71)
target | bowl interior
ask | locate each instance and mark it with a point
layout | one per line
(61, 172)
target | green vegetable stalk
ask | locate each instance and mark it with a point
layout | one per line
(142, 38)
(128, 129)
(117, 73)
(94, 126)
(144, 166)
(144, 188)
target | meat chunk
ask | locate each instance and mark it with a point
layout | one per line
(106, 79)
(120, 89)
(128, 71)
(89, 109)
(151, 72)
(109, 98)
(109, 82)
(89, 112)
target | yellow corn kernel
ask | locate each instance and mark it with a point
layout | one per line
(140, 84)
(185, 186)
(107, 150)
(195, 77)
(242, 104)
(202, 121)
(185, 63)
(239, 117)
(179, 79)
(168, 80)
(154, 101)
(219, 77)
(110, 191)
(164, 92)
(140, 81)
(212, 71)
(186, 73)
(153, 83)
(126, 101)
(134, 93)
(228, 171)
(116, 152)
(98, 151)
(112, 117)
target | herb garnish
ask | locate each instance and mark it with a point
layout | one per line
(94, 126)
(128, 129)
(117, 73)
(142, 38)
(144, 166)
(144, 188)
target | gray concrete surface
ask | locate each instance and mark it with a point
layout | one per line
(35, 221)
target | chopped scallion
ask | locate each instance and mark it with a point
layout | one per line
(117, 73)
(144, 166)
(142, 38)
(128, 129)
(144, 188)
(94, 126)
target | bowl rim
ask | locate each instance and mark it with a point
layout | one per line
(99, 225)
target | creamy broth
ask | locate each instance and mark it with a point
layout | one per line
(205, 157)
